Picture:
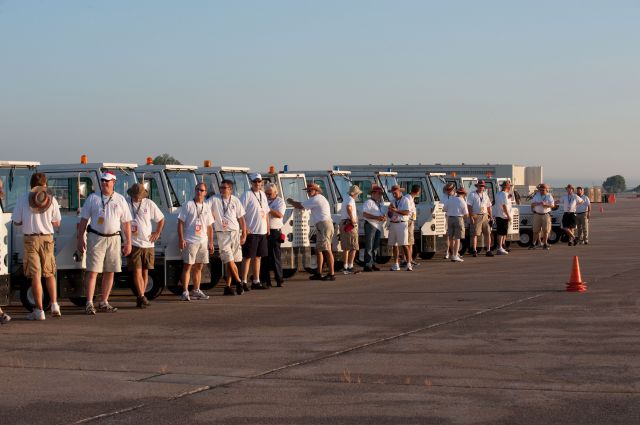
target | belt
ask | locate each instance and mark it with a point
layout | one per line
(39, 234)
(580, 213)
(541, 213)
(569, 212)
(95, 232)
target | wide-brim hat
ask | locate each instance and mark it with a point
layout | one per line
(570, 187)
(313, 186)
(541, 186)
(481, 183)
(397, 187)
(40, 199)
(375, 188)
(355, 190)
(505, 183)
(137, 191)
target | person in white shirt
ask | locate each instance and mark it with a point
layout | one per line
(38, 213)
(4, 317)
(375, 215)
(144, 212)
(457, 211)
(256, 205)
(231, 233)
(103, 216)
(503, 208)
(413, 216)
(195, 237)
(583, 215)
(277, 208)
(399, 212)
(570, 202)
(449, 191)
(321, 219)
(479, 204)
(349, 229)
(541, 205)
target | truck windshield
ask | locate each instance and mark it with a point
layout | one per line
(343, 183)
(387, 182)
(182, 184)
(293, 187)
(437, 184)
(240, 181)
(125, 178)
(15, 183)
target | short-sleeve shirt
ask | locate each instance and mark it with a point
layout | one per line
(276, 204)
(480, 203)
(143, 213)
(456, 206)
(226, 213)
(401, 204)
(344, 213)
(502, 198)
(412, 206)
(547, 199)
(584, 206)
(196, 218)
(32, 222)
(319, 207)
(570, 202)
(106, 213)
(256, 206)
(376, 209)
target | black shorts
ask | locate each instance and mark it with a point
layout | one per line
(502, 226)
(569, 221)
(255, 246)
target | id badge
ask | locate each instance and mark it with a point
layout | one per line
(101, 220)
(225, 224)
(198, 228)
(134, 229)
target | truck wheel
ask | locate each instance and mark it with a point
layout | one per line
(464, 246)
(215, 270)
(155, 284)
(554, 235)
(526, 236)
(27, 299)
(288, 273)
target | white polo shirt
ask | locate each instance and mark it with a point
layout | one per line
(35, 223)
(226, 213)
(319, 207)
(412, 207)
(196, 218)
(143, 214)
(480, 203)
(584, 206)
(456, 206)
(569, 203)
(401, 204)
(106, 214)
(344, 213)
(278, 205)
(547, 199)
(376, 209)
(256, 206)
(502, 198)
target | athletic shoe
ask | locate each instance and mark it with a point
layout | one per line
(586, 242)
(501, 251)
(185, 296)
(90, 309)
(446, 256)
(474, 253)
(489, 254)
(258, 285)
(4, 318)
(197, 294)
(329, 277)
(140, 303)
(409, 267)
(55, 310)
(395, 267)
(347, 271)
(456, 259)
(145, 301)
(106, 308)
(36, 314)
(315, 276)
(228, 290)
(546, 247)
(239, 290)
(245, 287)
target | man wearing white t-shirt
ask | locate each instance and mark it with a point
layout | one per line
(256, 205)
(448, 191)
(195, 237)
(503, 208)
(277, 209)
(457, 211)
(541, 205)
(479, 204)
(37, 212)
(570, 203)
(583, 215)
(413, 216)
(321, 219)
(144, 212)
(375, 215)
(399, 212)
(103, 216)
(231, 233)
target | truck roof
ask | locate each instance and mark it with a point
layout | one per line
(205, 170)
(85, 167)
(6, 164)
(160, 167)
(321, 172)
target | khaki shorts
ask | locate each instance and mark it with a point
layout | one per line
(541, 223)
(39, 259)
(481, 226)
(455, 227)
(196, 253)
(410, 230)
(141, 258)
(398, 234)
(229, 246)
(349, 240)
(103, 254)
(324, 235)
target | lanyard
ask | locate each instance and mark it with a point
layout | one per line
(104, 206)
(135, 210)
(198, 214)
(226, 207)
(259, 199)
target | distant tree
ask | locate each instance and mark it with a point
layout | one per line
(614, 184)
(166, 159)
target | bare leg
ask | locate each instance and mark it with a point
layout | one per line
(232, 272)
(196, 272)
(186, 276)
(396, 254)
(329, 254)
(90, 285)
(51, 288)
(107, 284)
(245, 268)
(36, 289)
(138, 280)
(255, 265)
(319, 259)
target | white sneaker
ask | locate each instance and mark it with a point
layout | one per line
(346, 271)
(446, 256)
(502, 251)
(4, 318)
(185, 296)
(409, 267)
(55, 310)
(36, 314)
(457, 259)
(395, 267)
(197, 294)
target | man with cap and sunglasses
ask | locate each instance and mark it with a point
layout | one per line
(570, 202)
(256, 206)
(375, 215)
(37, 213)
(541, 205)
(103, 217)
(503, 213)
(479, 204)
(143, 212)
(321, 219)
(399, 213)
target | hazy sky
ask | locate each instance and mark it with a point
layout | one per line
(315, 83)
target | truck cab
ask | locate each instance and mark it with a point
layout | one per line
(212, 176)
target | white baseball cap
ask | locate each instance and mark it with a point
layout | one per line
(255, 176)
(108, 175)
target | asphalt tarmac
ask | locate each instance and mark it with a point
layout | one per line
(489, 341)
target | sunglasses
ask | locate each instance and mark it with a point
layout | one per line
(104, 181)
(201, 190)
(225, 187)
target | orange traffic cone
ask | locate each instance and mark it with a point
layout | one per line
(575, 283)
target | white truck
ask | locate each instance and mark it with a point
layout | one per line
(212, 176)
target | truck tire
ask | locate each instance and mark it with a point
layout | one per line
(383, 259)
(26, 296)
(78, 301)
(427, 255)
(526, 236)
(554, 235)
(155, 284)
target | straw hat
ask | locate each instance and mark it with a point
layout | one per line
(137, 191)
(449, 187)
(355, 190)
(313, 186)
(40, 199)
(397, 187)
(505, 183)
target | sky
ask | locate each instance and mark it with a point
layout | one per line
(316, 83)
